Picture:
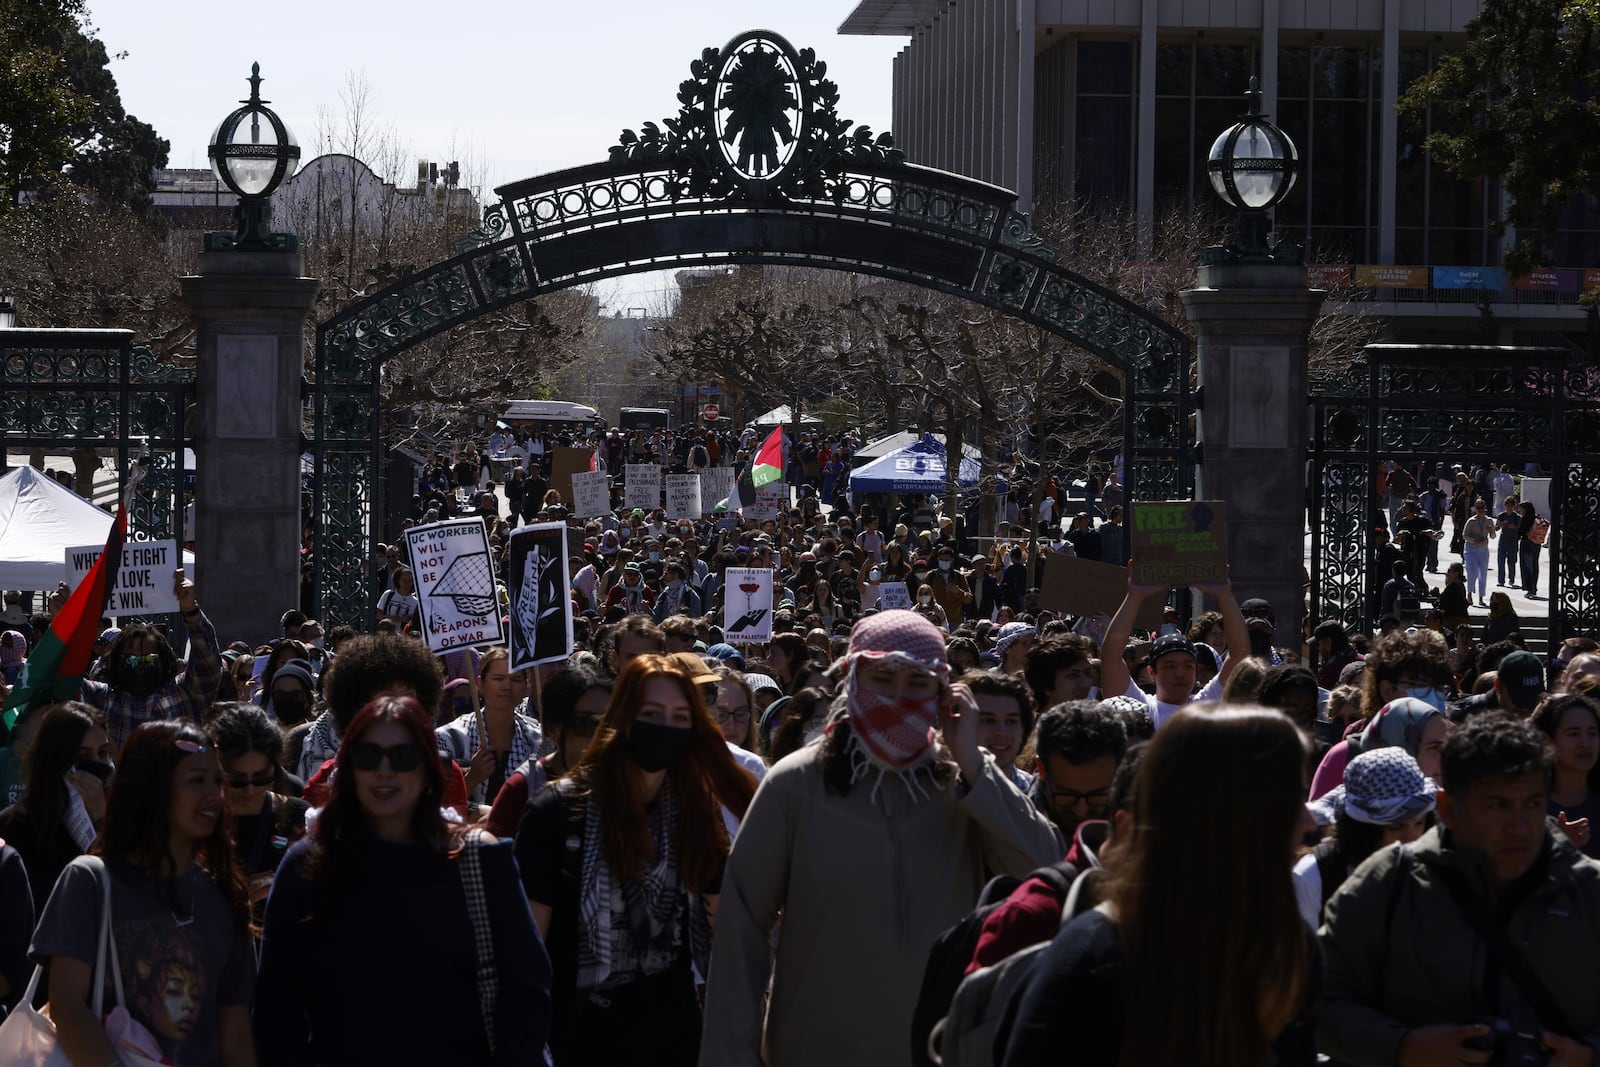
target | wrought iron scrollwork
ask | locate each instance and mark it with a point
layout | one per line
(758, 166)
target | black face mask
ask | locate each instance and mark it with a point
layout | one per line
(291, 710)
(144, 679)
(102, 771)
(655, 747)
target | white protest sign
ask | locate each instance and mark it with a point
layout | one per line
(747, 605)
(144, 581)
(456, 594)
(683, 496)
(892, 595)
(643, 489)
(591, 494)
(769, 499)
(716, 485)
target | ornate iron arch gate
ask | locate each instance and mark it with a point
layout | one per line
(1466, 404)
(68, 389)
(757, 167)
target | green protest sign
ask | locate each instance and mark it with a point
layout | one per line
(1179, 542)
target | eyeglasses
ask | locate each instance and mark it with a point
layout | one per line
(733, 715)
(147, 659)
(1072, 798)
(584, 725)
(239, 781)
(369, 756)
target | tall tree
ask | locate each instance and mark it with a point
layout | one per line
(1520, 103)
(61, 117)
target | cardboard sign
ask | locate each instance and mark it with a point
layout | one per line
(643, 486)
(716, 485)
(747, 605)
(892, 595)
(591, 494)
(456, 597)
(144, 581)
(564, 463)
(1076, 586)
(770, 499)
(541, 604)
(1179, 542)
(683, 496)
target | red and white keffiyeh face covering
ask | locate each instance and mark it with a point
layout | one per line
(894, 735)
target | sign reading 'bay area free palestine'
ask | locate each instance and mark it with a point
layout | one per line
(1179, 542)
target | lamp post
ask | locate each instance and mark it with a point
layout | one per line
(252, 152)
(1253, 166)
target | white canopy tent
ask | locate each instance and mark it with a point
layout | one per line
(783, 416)
(39, 520)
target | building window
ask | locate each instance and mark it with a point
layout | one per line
(1105, 134)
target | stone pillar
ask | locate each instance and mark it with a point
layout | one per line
(1253, 321)
(250, 311)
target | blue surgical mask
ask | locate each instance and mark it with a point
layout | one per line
(1432, 696)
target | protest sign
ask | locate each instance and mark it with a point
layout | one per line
(716, 485)
(643, 488)
(747, 605)
(456, 595)
(591, 494)
(769, 499)
(1179, 542)
(541, 609)
(893, 595)
(683, 496)
(1077, 586)
(144, 583)
(564, 463)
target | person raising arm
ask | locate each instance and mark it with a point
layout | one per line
(1172, 658)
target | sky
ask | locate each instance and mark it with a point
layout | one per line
(509, 89)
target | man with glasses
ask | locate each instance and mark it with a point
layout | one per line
(1079, 746)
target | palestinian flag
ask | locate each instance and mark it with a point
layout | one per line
(764, 468)
(57, 664)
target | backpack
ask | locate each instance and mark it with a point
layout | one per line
(953, 950)
(975, 1032)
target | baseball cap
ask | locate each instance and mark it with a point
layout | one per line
(1523, 678)
(1256, 608)
(1170, 643)
(699, 673)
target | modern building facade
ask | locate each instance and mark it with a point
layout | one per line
(1117, 102)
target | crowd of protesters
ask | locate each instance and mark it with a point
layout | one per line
(984, 829)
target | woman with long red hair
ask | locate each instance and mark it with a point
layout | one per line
(622, 862)
(369, 919)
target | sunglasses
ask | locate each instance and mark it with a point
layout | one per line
(193, 748)
(369, 756)
(239, 781)
(147, 659)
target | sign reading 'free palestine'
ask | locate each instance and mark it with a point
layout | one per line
(1180, 542)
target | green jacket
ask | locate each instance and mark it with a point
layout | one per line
(1400, 954)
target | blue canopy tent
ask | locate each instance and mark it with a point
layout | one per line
(917, 468)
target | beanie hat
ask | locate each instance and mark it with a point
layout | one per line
(299, 670)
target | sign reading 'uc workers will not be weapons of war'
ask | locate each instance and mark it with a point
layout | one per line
(1179, 542)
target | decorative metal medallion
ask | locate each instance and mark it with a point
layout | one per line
(758, 105)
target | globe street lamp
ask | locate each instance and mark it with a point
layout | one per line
(252, 152)
(1253, 166)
